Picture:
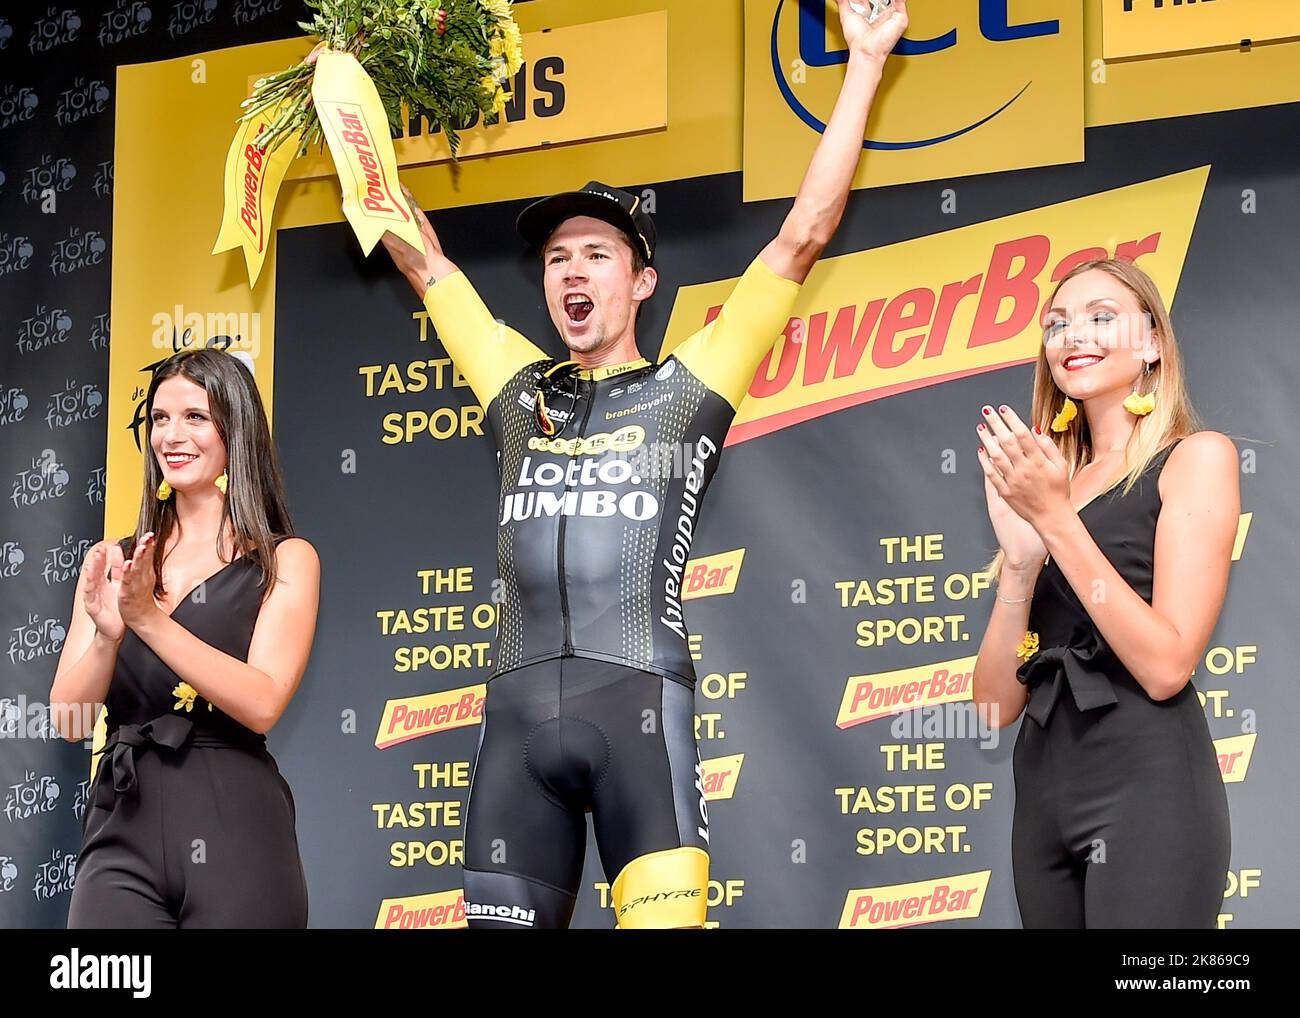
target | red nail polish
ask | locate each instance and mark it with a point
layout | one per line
(980, 426)
(1003, 408)
(1037, 430)
(986, 410)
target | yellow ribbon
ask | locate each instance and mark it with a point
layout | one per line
(355, 127)
(354, 124)
(251, 182)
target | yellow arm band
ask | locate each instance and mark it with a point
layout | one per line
(486, 352)
(726, 352)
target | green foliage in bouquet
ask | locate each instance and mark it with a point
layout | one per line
(446, 60)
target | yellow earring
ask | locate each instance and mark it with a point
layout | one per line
(1068, 412)
(1137, 404)
(164, 491)
(222, 482)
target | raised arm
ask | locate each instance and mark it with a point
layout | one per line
(486, 352)
(726, 352)
(817, 208)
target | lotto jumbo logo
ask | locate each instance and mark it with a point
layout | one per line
(411, 717)
(926, 901)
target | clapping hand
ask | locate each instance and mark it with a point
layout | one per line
(1026, 480)
(135, 601)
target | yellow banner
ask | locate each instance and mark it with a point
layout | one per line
(1182, 84)
(251, 182)
(1134, 28)
(967, 90)
(560, 95)
(946, 306)
(355, 127)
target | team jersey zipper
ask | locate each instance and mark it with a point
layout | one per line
(567, 649)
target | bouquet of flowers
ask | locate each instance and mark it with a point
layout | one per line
(378, 62)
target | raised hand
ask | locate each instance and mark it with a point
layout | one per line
(103, 569)
(877, 40)
(421, 268)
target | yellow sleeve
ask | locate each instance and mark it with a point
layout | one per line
(725, 353)
(484, 350)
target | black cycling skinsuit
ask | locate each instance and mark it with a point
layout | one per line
(590, 701)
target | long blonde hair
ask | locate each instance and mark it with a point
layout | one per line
(1173, 417)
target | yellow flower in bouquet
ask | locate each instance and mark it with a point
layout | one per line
(508, 44)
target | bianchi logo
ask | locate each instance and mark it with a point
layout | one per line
(516, 915)
(666, 370)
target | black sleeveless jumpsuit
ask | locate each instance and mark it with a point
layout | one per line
(190, 823)
(1121, 817)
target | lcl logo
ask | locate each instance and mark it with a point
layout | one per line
(994, 25)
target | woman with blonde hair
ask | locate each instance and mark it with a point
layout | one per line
(1116, 518)
(194, 632)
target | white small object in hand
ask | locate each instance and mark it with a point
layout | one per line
(877, 8)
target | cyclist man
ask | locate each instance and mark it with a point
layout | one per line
(590, 703)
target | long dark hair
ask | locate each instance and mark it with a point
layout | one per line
(255, 506)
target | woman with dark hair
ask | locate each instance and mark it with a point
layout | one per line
(1116, 523)
(194, 634)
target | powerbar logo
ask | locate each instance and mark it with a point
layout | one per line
(516, 915)
(412, 717)
(444, 910)
(683, 534)
(639, 408)
(868, 697)
(719, 776)
(712, 575)
(1234, 755)
(77, 971)
(354, 131)
(945, 306)
(254, 172)
(926, 901)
